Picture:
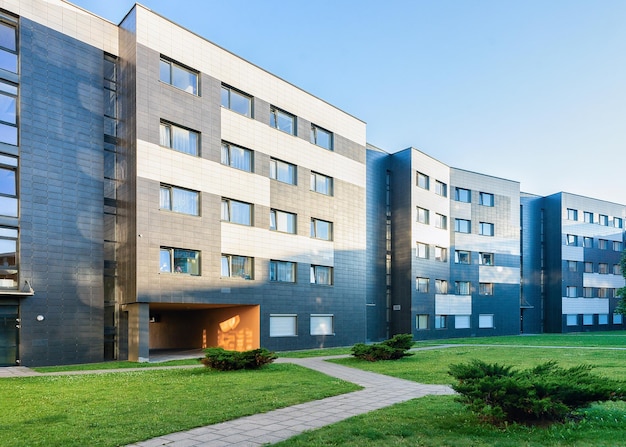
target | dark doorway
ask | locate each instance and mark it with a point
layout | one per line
(9, 331)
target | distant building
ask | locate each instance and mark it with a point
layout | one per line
(158, 192)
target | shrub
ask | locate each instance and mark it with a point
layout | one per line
(545, 393)
(391, 349)
(223, 360)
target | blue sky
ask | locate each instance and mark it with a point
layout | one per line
(533, 91)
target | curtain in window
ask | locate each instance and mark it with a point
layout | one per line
(240, 158)
(225, 160)
(241, 266)
(225, 266)
(185, 201)
(165, 199)
(225, 210)
(285, 172)
(164, 136)
(285, 271)
(240, 213)
(184, 141)
(165, 261)
(320, 275)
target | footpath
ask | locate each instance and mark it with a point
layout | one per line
(378, 391)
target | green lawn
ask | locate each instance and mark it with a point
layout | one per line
(615, 339)
(113, 365)
(124, 407)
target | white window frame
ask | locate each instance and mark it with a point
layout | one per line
(283, 325)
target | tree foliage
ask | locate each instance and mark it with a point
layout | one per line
(621, 292)
(223, 360)
(392, 349)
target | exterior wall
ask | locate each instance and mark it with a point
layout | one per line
(532, 209)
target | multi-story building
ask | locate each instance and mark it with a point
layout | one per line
(159, 192)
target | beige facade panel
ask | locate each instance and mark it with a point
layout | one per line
(585, 306)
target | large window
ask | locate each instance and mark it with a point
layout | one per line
(462, 226)
(283, 171)
(486, 229)
(236, 212)
(421, 250)
(462, 195)
(179, 139)
(236, 157)
(8, 111)
(282, 221)
(461, 257)
(322, 324)
(423, 181)
(421, 284)
(485, 199)
(177, 260)
(423, 215)
(321, 229)
(321, 183)
(283, 325)
(441, 286)
(321, 274)
(179, 76)
(237, 267)
(8, 186)
(282, 120)
(441, 188)
(8, 258)
(441, 221)
(321, 137)
(8, 47)
(236, 101)
(462, 288)
(179, 200)
(282, 271)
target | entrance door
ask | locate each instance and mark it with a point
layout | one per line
(8, 335)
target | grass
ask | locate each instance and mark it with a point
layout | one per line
(113, 365)
(307, 353)
(125, 407)
(616, 339)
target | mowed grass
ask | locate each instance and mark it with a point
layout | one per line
(114, 365)
(616, 339)
(124, 407)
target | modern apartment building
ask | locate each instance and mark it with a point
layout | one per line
(159, 192)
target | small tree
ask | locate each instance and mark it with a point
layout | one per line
(392, 349)
(621, 292)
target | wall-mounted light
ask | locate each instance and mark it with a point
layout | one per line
(40, 318)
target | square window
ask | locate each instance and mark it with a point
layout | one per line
(321, 274)
(321, 137)
(572, 320)
(587, 319)
(281, 120)
(617, 269)
(462, 226)
(441, 189)
(321, 184)
(441, 286)
(461, 257)
(617, 318)
(486, 199)
(422, 250)
(462, 322)
(486, 259)
(283, 325)
(603, 319)
(603, 219)
(617, 246)
(463, 195)
(423, 181)
(603, 268)
(587, 217)
(236, 157)
(486, 229)
(603, 292)
(572, 240)
(423, 215)
(421, 321)
(485, 321)
(282, 271)
(571, 292)
(588, 267)
(237, 267)
(572, 214)
(603, 244)
(587, 292)
(283, 172)
(322, 324)
(462, 288)
(440, 321)
(485, 288)
(618, 222)
(572, 266)
(236, 101)
(321, 229)
(421, 285)
(587, 242)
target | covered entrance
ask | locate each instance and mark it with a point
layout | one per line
(9, 334)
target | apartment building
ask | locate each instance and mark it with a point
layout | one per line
(160, 193)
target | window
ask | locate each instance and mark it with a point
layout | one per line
(572, 266)
(486, 229)
(461, 257)
(423, 215)
(441, 189)
(179, 200)
(587, 319)
(486, 259)
(322, 324)
(8, 110)
(618, 222)
(603, 268)
(485, 288)
(322, 184)
(422, 250)
(321, 274)
(462, 195)
(441, 286)
(486, 199)
(8, 47)
(177, 260)
(588, 217)
(441, 254)
(617, 246)
(603, 319)
(485, 321)
(283, 171)
(282, 221)
(440, 321)
(462, 226)
(283, 325)
(571, 292)
(8, 187)
(423, 181)
(236, 101)
(572, 320)
(587, 292)
(588, 267)
(587, 242)
(237, 267)
(572, 240)
(321, 137)
(421, 321)
(603, 292)
(572, 214)
(179, 139)
(236, 212)
(282, 271)
(603, 219)
(236, 157)
(8, 258)
(462, 288)
(321, 229)
(421, 285)
(462, 322)
(441, 221)
(179, 76)
(617, 269)
(617, 319)
(282, 120)
(603, 244)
